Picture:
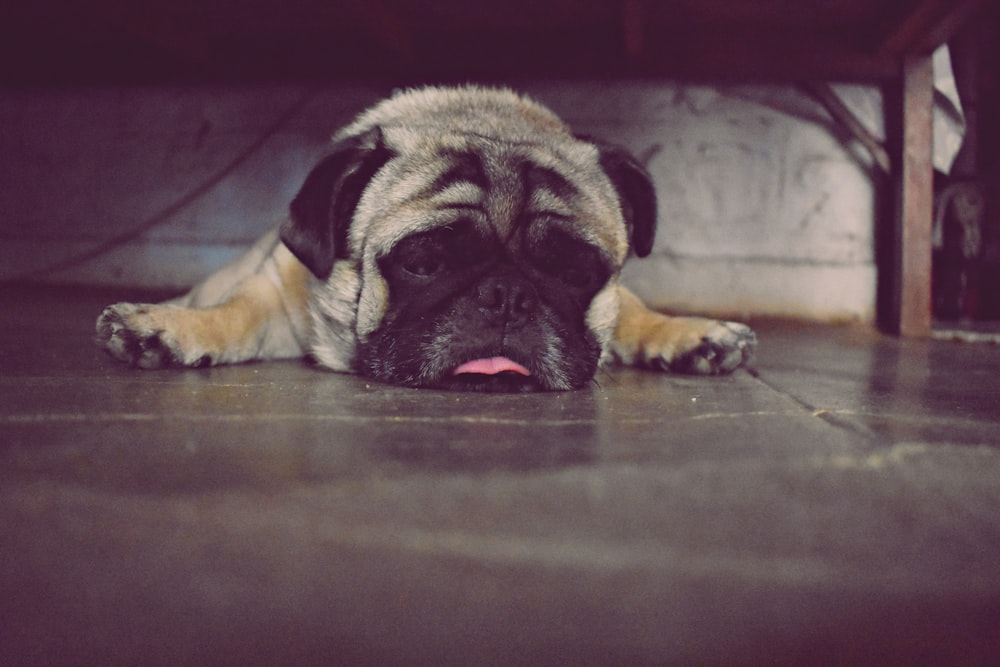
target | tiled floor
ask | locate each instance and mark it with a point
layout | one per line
(840, 506)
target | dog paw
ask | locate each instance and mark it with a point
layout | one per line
(692, 345)
(721, 349)
(138, 334)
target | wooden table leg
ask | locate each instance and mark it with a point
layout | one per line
(916, 200)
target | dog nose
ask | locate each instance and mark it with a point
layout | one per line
(510, 297)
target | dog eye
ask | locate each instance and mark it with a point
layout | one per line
(420, 255)
(575, 263)
(577, 277)
(452, 247)
(423, 266)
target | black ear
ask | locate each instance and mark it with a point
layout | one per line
(635, 193)
(321, 213)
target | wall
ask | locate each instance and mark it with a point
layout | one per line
(762, 209)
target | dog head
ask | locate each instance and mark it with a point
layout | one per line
(465, 238)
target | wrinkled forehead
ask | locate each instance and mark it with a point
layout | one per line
(503, 185)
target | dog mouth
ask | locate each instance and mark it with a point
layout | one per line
(491, 374)
(491, 366)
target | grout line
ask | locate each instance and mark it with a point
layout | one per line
(106, 417)
(835, 418)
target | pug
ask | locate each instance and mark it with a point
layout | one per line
(453, 238)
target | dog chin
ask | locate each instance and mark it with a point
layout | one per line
(495, 374)
(484, 375)
(450, 376)
(505, 382)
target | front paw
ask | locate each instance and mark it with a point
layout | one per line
(138, 334)
(721, 348)
(692, 345)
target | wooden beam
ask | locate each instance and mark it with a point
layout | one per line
(930, 24)
(916, 201)
(633, 21)
(842, 115)
(947, 25)
(744, 54)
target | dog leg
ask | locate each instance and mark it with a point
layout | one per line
(692, 345)
(264, 316)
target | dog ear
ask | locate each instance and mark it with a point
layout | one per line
(635, 194)
(321, 213)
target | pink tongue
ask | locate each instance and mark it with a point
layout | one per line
(491, 367)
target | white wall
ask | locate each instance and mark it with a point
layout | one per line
(762, 210)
